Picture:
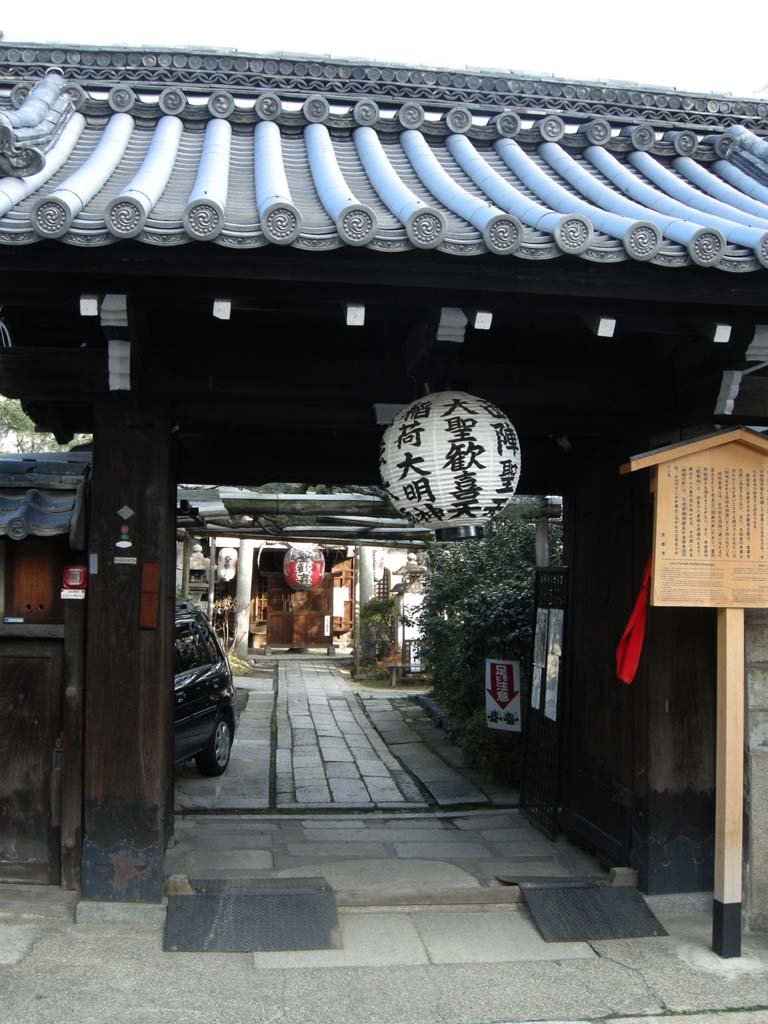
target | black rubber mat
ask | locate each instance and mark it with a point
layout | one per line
(568, 912)
(245, 915)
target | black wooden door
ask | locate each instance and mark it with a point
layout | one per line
(30, 727)
(540, 780)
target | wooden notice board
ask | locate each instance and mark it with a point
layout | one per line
(710, 537)
(711, 529)
(710, 549)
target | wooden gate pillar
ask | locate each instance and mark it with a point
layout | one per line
(128, 805)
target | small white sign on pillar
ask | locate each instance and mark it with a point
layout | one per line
(502, 695)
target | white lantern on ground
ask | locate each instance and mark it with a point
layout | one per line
(450, 462)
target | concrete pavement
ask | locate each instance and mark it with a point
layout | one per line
(417, 965)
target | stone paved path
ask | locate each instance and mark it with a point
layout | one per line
(374, 852)
(328, 753)
(333, 749)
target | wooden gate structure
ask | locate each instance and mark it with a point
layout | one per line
(540, 789)
(233, 268)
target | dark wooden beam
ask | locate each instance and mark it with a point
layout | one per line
(128, 749)
(360, 274)
(43, 373)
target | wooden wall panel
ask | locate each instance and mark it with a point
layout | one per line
(33, 578)
(30, 725)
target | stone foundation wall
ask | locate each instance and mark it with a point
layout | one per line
(756, 907)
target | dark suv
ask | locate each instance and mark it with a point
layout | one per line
(204, 695)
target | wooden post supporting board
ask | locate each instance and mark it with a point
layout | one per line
(729, 798)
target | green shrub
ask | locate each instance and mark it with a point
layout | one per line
(379, 616)
(479, 604)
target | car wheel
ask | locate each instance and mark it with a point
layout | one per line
(214, 758)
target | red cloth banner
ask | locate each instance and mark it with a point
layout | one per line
(631, 643)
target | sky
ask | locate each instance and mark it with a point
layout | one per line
(683, 44)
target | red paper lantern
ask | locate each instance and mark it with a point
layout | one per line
(304, 568)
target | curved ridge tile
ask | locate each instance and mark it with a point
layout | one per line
(35, 108)
(126, 214)
(280, 217)
(741, 180)
(505, 195)
(718, 189)
(318, 230)
(424, 225)
(745, 139)
(52, 215)
(390, 233)
(685, 193)
(205, 210)
(355, 222)
(502, 232)
(752, 237)
(27, 132)
(642, 238)
(703, 238)
(13, 190)
(745, 150)
(572, 231)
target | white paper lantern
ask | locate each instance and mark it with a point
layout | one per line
(450, 462)
(227, 564)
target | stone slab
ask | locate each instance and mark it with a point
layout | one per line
(530, 848)
(342, 770)
(32, 904)
(204, 861)
(313, 794)
(387, 875)
(422, 762)
(449, 792)
(382, 790)
(311, 850)
(345, 824)
(337, 754)
(368, 940)
(433, 850)
(491, 820)
(102, 912)
(490, 936)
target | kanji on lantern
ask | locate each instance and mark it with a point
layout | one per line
(450, 462)
(304, 568)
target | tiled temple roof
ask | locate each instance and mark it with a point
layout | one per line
(172, 147)
(41, 495)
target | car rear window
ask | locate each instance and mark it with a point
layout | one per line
(189, 650)
(210, 643)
